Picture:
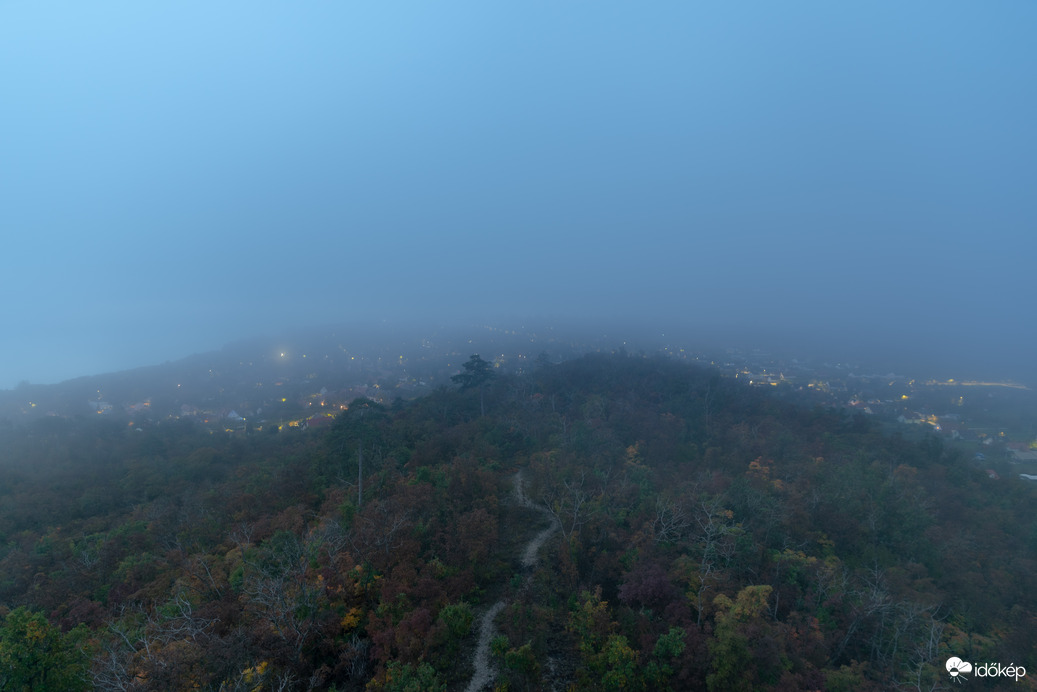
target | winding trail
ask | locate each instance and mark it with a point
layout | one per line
(484, 672)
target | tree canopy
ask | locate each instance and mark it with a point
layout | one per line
(711, 537)
(477, 372)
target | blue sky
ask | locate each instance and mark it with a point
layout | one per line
(177, 175)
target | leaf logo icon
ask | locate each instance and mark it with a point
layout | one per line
(956, 666)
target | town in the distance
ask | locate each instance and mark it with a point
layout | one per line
(292, 384)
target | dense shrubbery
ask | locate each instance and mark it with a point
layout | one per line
(710, 538)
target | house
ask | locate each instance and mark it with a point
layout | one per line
(319, 421)
(992, 475)
(1021, 452)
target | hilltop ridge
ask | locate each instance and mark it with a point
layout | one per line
(304, 378)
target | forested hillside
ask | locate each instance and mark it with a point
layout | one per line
(708, 538)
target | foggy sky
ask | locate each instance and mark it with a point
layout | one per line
(177, 175)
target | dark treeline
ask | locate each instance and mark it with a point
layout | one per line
(709, 538)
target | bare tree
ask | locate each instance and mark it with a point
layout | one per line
(177, 621)
(276, 590)
(923, 671)
(713, 540)
(671, 521)
(568, 504)
(136, 637)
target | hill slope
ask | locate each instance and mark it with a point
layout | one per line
(708, 538)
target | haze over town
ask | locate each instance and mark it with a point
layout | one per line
(855, 182)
